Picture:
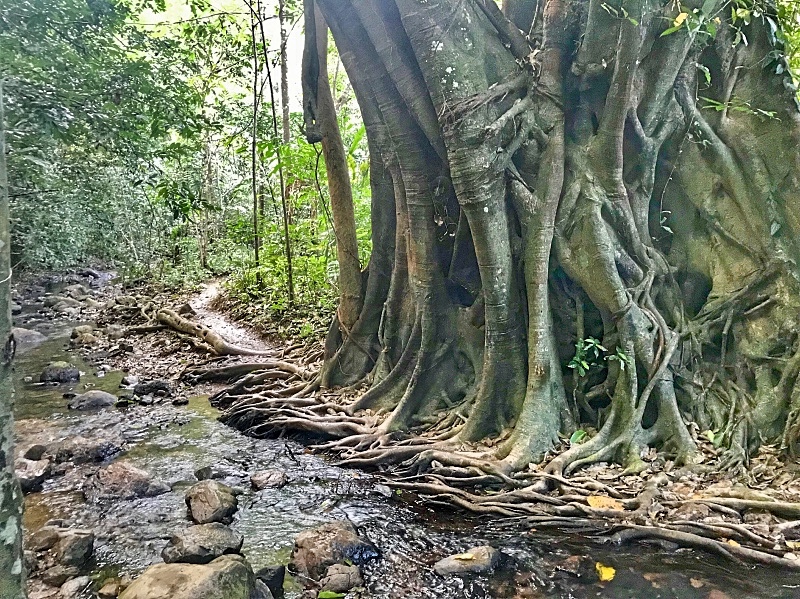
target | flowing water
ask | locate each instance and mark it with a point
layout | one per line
(172, 442)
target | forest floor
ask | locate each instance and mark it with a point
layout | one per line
(121, 338)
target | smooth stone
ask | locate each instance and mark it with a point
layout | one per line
(74, 587)
(75, 547)
(261, 591)
(44, 538)
(35, 452)
(59, 372)
(273, 577)
(27, 338)
(123, 480)
(202, 543)
(211, 501)
(481, 559)
(32, 473)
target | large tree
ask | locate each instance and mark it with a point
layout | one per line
(583, 212)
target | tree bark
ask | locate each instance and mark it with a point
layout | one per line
(351, 295)
(578, 194)
(287, 131)
(12, 570)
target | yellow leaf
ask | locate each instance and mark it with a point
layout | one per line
(733, 543)
(680, 19)
(606, 573)
(464, 556)
(603, 502)
(793, 544)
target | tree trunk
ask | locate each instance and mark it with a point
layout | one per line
(287, 132)
(607, 193)
(325, 128)
(12, 571)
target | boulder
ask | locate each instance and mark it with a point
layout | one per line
(92, 400)
(340, 578)
(334, 542)
(123, 480)
(211, 501)
(75, 547)
(268, 479)
(57, 575)
(273, 577)
(27, 338)
(227, 577)
(74, 587)
(202, 543)
(59, 372)
(159, 387)
(477, 560)
(32, 473)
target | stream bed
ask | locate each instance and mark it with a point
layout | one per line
(172, 442)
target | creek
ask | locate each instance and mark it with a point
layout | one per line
(172, 442)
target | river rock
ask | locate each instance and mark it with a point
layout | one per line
(44, 538)
(218, 471)
(35, 452)
(74, 587)
(16, 308)
(227, 577)
(123, 480)
(110, 589)
(82, 450)
(153, 388)
(261, 591)
(340, 578)
(84, 340)
(477, 560)
(57, 575)
(27, 338)
(115, 331)
(75, 547)
(320, 547)
(211, 501)
(272, 577)
(59, 372)
(92, 400)
(202, 543)
(32, 473)
(83, 329)
(268, 479)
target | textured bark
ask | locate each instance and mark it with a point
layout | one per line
(350, 280)
(558, 176)
(12, 585)
(287, 131)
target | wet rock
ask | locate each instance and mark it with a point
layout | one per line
(125, 481)
(30, 560)
(80, 450)
(75, 547)
(477, 560)
(268, 479)
(218, 471)
(93, 400)
(227, 577)
(272, 577)
(35, 452)
(44, 538)
(76, 291)
(202, 543)
(340, 578)
(211, 501)
(57, 575)
(74, 587)
(84, 340)
(153, 388)
(579, 566)
(16, 308)
(27, 338)
(261, 591)
(59, 372)
(54, 300)
(320, 547)
(182, 401)
(32, 473)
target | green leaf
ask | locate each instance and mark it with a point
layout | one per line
(330, 595)
(577, 437)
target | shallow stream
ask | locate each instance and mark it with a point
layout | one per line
(172, 442)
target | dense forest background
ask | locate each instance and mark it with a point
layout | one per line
(131, 141)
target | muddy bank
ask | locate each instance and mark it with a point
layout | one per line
(170, 443)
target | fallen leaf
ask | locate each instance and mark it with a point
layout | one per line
(733, 543)
(605, 573)
(793, 544)
(464, 556)
(603, 502)
(696, 583)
